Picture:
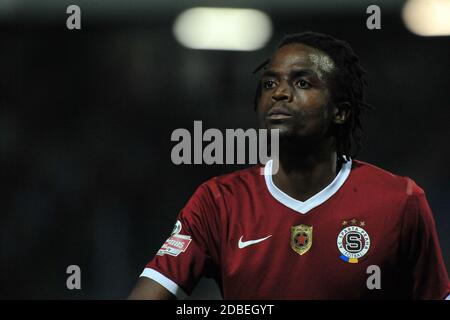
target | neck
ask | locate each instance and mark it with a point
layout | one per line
(305, 172)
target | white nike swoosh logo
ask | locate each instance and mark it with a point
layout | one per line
(243, 244)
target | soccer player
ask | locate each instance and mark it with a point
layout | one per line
(325, 226)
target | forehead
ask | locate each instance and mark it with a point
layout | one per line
(301, 56)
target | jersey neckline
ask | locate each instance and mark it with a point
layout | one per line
(316, 200)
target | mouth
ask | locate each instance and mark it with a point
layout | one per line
(278, 113)
(278, 116)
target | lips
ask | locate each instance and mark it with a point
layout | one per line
(278, 112)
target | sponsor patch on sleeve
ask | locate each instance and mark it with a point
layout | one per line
(174, 245)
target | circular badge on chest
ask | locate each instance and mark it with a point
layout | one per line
(353, 241)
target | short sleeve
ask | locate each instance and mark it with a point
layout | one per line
(191, 251)
(425, 264)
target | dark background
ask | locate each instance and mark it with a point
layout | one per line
(86, 119)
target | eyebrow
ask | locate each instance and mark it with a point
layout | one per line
(294, 72)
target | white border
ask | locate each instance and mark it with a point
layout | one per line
(304, 206)
(165, 282)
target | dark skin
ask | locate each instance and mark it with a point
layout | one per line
(148, 289)
(295, 99)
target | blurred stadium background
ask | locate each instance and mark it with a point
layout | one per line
(86, 118)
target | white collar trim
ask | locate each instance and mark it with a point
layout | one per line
(316, 200)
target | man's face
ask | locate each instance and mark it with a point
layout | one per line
(295, 94)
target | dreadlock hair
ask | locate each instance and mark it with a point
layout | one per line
(348, 85)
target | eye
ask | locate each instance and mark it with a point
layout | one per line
(268, 84)
(303, 84)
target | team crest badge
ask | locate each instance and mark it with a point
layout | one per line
(353, 241)
(301, 238)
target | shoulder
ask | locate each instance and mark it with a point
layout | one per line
(384, 181)
(215, 190)
(235, 180)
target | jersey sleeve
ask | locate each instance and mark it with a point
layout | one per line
(424, 261)
(192, 250)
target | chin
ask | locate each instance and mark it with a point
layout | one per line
(286, 128)
(286, 134)
(278, 124)
(293, 135)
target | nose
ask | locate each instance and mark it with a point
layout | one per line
(282, 93)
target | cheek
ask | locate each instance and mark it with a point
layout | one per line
(263, 98)
(260, 111)
(314, 104)
(262, 103)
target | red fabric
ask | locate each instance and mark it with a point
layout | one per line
(394, 212)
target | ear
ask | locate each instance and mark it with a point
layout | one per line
(341, 112)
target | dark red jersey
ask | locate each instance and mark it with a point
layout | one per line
(259, 243)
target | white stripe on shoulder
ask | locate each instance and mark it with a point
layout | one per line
(164, 281)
